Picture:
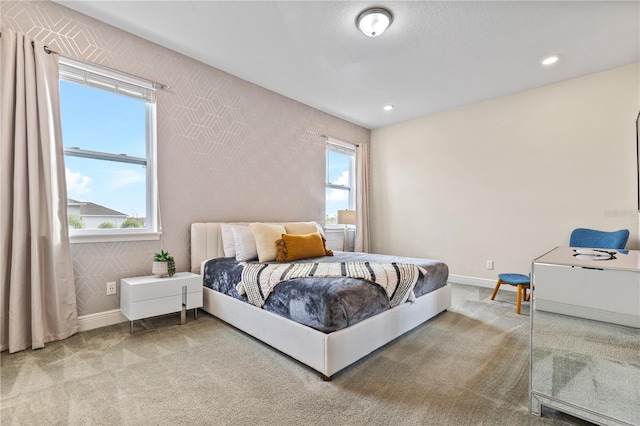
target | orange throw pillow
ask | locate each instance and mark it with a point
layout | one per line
(294, 247)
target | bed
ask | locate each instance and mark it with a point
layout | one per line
(325, 348)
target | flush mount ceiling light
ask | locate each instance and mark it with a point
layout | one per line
(373, 22)
(387, 107)
(550, 60)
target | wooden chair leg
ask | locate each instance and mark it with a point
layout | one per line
(519, 290)
(495, 290)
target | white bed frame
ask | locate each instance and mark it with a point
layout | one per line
(325, 353)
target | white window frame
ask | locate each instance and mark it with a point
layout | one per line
(342, 147)
(103, 78)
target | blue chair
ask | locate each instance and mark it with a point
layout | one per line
(583, 237)
(521, 282)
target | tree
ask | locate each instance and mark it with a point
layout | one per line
(76, 222)
(131, 222)
(106, 225)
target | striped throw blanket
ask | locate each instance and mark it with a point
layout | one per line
(397, 279)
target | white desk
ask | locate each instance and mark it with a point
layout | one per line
(585, 336)
(149, 296)
(602, 290)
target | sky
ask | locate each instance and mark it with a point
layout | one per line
(98, 120)
(338, 173)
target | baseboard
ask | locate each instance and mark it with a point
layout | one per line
(101, 319)
(479, 282)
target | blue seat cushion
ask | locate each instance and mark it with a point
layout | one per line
(515, 279)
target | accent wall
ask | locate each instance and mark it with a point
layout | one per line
(227, 149)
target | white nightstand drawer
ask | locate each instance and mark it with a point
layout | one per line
(194, 300)
(152, 307)
(150, 287)
(143, 297)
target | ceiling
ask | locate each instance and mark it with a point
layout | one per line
(435, 56)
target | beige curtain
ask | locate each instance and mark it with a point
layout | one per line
(362, 199)
(38, 302)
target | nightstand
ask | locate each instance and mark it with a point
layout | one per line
(149, 296)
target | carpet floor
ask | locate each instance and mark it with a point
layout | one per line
(467, 366)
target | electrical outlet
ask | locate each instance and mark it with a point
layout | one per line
(111, 288)
(489, 264)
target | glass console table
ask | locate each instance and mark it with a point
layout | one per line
(585, 335)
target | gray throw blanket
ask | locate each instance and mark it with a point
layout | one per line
(397, 279)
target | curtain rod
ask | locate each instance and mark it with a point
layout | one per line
(155, 84)
(357, 145)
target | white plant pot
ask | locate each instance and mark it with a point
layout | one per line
(159, 269)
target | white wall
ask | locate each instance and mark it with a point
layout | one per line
(508, 179)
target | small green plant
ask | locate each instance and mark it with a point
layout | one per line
(164, 256)
(106, 225)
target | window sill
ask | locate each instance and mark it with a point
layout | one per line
(336, 228)
(113, 237)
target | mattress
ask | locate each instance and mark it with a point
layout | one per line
(326, 304)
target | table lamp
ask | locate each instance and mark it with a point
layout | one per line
(346, 218)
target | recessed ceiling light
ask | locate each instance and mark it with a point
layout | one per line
(373, 22)
(550, 60)
(387, 107)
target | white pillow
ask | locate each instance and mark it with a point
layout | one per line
(245, 243)
(266, 236)
(303, 228)
(228, 240)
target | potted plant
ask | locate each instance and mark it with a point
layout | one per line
(163, 264)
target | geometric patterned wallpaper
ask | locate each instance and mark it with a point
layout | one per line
(227, 149)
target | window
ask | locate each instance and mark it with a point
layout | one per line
(108, 131)
(340, 185)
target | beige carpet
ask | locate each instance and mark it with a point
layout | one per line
(468, 366)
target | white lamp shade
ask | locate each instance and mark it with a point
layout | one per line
(346, 217)
(373, 22)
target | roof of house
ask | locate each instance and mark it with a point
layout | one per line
(92, 209)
